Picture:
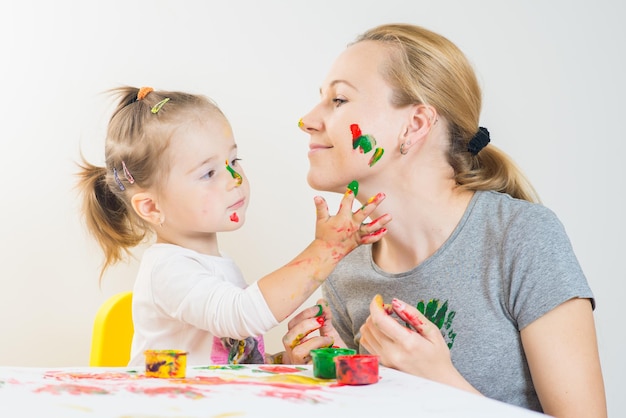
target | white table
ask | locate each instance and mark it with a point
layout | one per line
(227, 391)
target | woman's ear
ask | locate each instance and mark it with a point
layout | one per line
(421, 120)
(145, 205)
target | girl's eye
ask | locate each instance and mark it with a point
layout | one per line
(339, 101)
(208, 175)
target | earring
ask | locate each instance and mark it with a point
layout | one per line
(402, 150)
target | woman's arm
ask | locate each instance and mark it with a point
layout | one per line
(562, 352)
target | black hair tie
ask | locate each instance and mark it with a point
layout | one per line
(479, 141)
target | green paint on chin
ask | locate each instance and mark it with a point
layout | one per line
(354, 186)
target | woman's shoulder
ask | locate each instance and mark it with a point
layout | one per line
(516, 218)
(503, 205)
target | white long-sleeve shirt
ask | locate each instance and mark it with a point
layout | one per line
(185, 300)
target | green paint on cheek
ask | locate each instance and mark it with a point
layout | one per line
(365, 142)
(377, 154)
(354, 186)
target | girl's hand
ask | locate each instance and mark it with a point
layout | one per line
(328, 330)
(297, 341)
(345, 231)
(420, 350)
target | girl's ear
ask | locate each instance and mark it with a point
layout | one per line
(422, 118)
(145, 205)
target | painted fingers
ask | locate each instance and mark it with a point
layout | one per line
(298, 341)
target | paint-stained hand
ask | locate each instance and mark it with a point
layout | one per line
(298, 341)
(346, 230)
(419, 349)
(327, 329)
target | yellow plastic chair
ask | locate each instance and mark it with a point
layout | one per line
(112, 332)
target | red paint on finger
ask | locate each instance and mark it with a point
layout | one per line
(375, 233)
(320, 320)
(406, 316)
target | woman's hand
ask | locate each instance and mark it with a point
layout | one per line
(297, 342)
(419, 349)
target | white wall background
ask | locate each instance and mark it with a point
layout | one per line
(553, 74)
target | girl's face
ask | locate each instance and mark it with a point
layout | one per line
(354, 93)
(201, 195)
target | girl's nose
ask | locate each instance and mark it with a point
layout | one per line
(236, 176)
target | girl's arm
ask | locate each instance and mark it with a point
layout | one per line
(287, 288)
(562, 353)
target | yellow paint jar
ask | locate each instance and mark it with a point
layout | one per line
(167, 364)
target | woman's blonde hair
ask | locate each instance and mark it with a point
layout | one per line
(138, 136)
(427, 68)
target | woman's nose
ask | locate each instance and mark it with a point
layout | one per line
(310, 122)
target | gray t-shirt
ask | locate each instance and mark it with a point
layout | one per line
(507, 263)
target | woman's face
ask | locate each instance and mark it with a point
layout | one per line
(354, 121)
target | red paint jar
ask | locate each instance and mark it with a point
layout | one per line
(359, 369)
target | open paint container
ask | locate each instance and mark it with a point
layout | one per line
(323, 360)
(168, 364)
(360, 369)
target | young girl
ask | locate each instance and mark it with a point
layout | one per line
(172, 170)
(484, 274)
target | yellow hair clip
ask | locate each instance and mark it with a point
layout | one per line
(159, 105)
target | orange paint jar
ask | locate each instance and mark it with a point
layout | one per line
(166, 364)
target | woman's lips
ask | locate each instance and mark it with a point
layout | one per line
(317, 147)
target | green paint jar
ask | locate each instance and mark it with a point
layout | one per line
(324, 361)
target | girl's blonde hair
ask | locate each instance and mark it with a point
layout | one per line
(426, 68)
(138, 136)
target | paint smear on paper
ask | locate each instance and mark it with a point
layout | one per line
(170, 391)
(279, 369)
(73, 389)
